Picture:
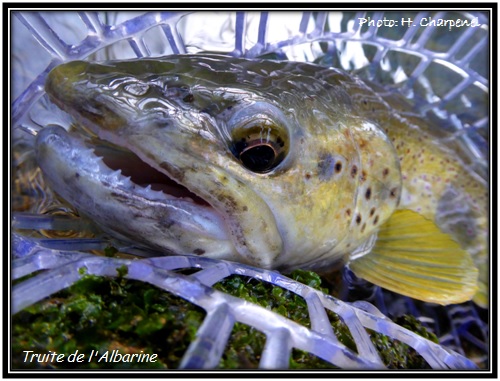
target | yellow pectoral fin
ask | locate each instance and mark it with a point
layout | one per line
(414, 258)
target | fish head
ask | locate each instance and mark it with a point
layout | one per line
(276, 155)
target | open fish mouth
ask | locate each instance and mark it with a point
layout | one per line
(141, 173)
(106, 181)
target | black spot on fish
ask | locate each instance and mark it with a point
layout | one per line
(348, 212)
(385, 172)
(307, 176)
(394, 192)
(372, 212)
(354, 171)
(368, 193)
(375, 221)
(327, 166)
(77, 175)
(358, 219)
(199, 251)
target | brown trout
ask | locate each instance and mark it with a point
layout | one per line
(280, 165)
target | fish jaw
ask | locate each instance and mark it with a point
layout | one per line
(125, 209)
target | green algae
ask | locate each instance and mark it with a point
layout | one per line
(104, 314)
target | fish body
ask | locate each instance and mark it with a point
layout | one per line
(276, 164)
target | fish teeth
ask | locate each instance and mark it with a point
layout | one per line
(91, 151)
(89, 154)
(151, 193)
(127, 182)
(98, 159)
(120, 180)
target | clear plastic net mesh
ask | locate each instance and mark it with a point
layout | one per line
(442, 71)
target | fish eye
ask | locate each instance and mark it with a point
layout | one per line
(259, 148)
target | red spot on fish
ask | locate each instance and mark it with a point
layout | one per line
(362, 178)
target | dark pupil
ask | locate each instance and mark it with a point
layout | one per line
(259, 158)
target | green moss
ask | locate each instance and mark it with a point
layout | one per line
(243, 349)
(105, 314)
(398, 355)
(271, 297)
(110, 251)
(411, 323)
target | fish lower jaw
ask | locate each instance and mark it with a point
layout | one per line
(117, 203)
